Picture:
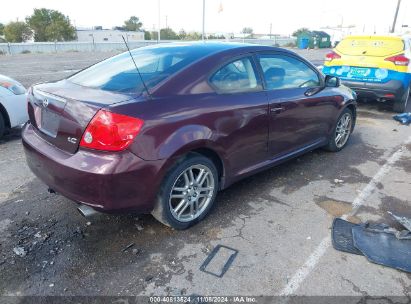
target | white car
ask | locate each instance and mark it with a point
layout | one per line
(13, 104)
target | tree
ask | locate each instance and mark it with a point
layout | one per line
(1, 29)
(133, 24)
(193, 36)
(212, 36)
(17, 32)
(154, 35)
(182, 34)
(147, 35)
(168, 34)
(300, 31)
(248, 32)
(51, 25)
(165, 34)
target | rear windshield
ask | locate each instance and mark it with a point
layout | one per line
(370, 46)
(118, 73)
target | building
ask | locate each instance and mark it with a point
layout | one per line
(101, 35)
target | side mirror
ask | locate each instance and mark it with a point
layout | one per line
(332, 81)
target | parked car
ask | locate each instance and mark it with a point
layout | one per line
(376, 67)
(13, 104)
(206, 116)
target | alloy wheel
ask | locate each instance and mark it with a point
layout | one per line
(191, 193)
(343, 130)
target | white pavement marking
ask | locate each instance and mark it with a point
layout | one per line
(312, 261)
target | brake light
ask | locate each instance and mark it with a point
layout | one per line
(332, 55)
(109, 131)
(400, 60)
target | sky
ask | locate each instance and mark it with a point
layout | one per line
(284, 15)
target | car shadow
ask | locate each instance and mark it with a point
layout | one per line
(11, 135)
(380, 106)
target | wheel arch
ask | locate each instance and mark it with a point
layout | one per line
(205, 149)
(5, 115)
(351, 106)
(214, 157)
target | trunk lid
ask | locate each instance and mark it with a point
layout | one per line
(61, 111)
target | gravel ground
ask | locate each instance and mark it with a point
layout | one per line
(278, 220)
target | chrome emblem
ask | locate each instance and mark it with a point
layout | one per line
(72, 140)
(45, 102)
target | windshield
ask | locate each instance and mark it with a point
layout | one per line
(119, 74)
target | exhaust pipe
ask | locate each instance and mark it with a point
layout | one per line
(86, 211)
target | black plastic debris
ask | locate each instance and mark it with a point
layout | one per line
(404, 118)
(383, 248)
(342, 238)
(219, 260)
(128, 247)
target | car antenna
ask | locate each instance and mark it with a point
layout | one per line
(138, 71)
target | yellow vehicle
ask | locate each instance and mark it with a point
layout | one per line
(376, 67)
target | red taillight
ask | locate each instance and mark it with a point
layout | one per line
(399, 60)
(332, 55)
(109, 131)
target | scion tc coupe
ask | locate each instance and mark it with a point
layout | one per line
(164, 133)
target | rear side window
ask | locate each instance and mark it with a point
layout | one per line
(237, 76)
(285, 72)
(118, 74)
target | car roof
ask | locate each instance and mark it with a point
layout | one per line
(214, 47)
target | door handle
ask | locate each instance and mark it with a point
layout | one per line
(276, 110)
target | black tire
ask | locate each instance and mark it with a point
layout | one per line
(2, 126)
(332, 144)
(163, 210)
(400, 105)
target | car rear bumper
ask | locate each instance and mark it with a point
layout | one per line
(105, 181)
(392, 89)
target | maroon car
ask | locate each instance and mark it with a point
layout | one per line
(164, 133)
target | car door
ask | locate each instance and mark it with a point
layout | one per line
(298, 108)
(243, 108)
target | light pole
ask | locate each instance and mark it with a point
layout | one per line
(395, 16)
(159, 21)
(271, 29)
(203, 34)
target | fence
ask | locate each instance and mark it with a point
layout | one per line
(74, 46)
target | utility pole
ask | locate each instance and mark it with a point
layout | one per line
(271, 29)
(395, 16)
(159, 21)
(203, 34)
